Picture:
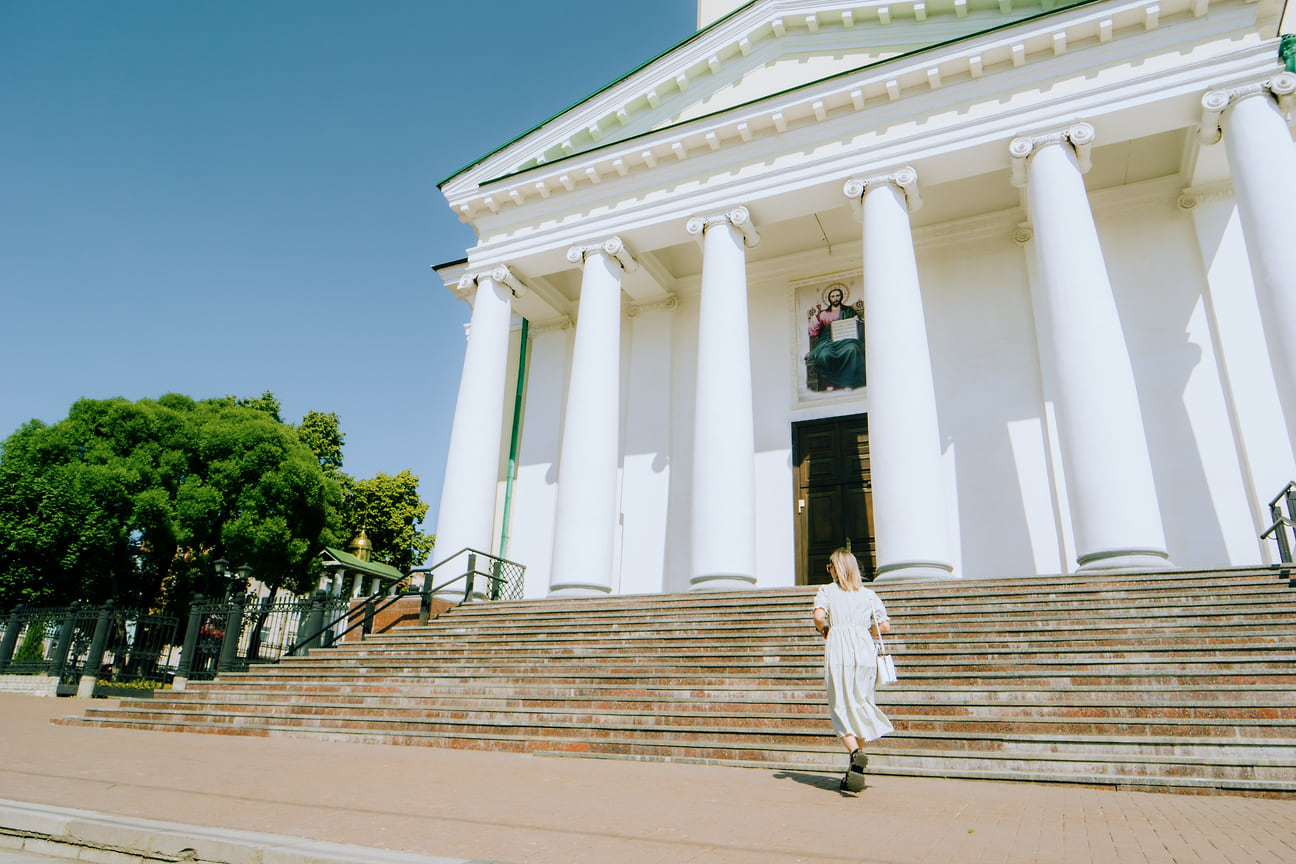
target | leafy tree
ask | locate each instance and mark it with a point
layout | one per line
(134, 500)
(322, 435)
(389, 510)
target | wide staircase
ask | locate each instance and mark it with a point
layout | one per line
(1168, 681)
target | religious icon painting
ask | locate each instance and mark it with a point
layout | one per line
(832, 336)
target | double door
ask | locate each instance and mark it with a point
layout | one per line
(834, 498)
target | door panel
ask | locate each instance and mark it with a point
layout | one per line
(833, 495)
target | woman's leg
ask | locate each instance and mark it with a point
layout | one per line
(852, 744)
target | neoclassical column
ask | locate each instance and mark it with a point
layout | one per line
(1262, 160)
(467, 514)
(723, 545)
(586, 510)
(904, 432)
(1114, 509)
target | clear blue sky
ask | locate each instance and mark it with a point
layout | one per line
(237, 196)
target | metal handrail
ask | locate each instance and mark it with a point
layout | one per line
(1278, 528)
(371, 611)
(471, 571)
(365, 619)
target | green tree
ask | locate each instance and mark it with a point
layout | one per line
(134, 500)
(389, 510)
(322, 434)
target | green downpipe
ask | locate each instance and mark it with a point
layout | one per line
(513, 441)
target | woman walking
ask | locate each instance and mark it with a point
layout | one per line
(849, 616)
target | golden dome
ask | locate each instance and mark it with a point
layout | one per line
(360, 547)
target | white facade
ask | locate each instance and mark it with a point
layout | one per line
(1070, 232)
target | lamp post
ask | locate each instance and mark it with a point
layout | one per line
(241, 576)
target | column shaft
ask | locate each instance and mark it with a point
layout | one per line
(467, 514)
(585, 518)
(1114, 509)
(904, 432)
(1262, 160)
(723, 553)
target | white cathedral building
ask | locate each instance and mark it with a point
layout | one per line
(988, 288)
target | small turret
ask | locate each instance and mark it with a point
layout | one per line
(360, 547)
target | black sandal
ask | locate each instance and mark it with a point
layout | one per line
(859, 762)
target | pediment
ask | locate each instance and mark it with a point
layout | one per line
(762, 49)
(779, 69)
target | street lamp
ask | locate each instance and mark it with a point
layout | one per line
(224, 571)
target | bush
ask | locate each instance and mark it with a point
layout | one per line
(32, 649)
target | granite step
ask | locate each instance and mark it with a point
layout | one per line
(1174, 681)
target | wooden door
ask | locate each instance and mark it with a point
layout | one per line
(833, 495)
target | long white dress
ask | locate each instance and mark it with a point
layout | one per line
(850, 662)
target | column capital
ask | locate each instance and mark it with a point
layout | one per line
(739, 217)
(1194, 195)
(1214, 102)
(670, 302)
(1079, 135)
(499, 273)
(613, 247)
(905, 178)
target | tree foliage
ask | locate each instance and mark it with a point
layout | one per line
(322, 434)
(133, 501)
(389, 510)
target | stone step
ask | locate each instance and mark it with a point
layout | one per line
(1151, 680)
(1084, 721)
(1266, 757)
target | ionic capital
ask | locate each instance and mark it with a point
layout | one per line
(612, 247)
(905, 178)
(670, 302)
(1215, 102)
(500, 273)
(1079, 135)
(552, 325)
(1196, 195)
(739, 217)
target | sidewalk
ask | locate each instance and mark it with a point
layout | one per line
(506, 807)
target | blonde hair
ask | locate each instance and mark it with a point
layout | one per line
(846, 572)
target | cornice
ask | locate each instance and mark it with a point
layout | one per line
(1006, 50)
(988, 136)
(649, 94)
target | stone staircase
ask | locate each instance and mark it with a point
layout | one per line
(1172, 681)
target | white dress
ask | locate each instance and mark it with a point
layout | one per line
(850, 662)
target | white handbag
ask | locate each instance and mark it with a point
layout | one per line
(886, 670)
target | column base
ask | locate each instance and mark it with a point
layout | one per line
(722, 582)
(574, 590)
(914, 571)
(1125, 559)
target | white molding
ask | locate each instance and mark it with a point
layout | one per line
(1215, 102)
(739, 217)
(840, 96)
(613, 247)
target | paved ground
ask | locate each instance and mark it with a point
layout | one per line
(535, 810)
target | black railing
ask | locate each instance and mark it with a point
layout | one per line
(1282, 525)
(99, 644)
(503, 578)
